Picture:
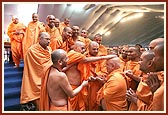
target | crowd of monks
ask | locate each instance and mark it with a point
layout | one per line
(66, 70)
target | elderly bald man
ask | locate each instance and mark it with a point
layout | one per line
(37, 58)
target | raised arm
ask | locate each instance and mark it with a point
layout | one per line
(91, 59)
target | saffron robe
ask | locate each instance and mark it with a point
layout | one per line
(16, 40)
(36, 59)
(32, 34)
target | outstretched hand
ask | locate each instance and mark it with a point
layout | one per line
(85, 83)
(91, 78)
(109, 56)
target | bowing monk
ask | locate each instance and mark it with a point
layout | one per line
(34, 28)
(112, 95)
(36, 59)
(56, 88)
(16, 33)
(76, 72)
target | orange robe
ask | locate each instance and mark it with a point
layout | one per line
(114, 91)
(123, 63)
(62, 25)
(146, 100)
(134, 66)
(152, 102)
(57, 43)
(158, 100)
(71, 41)
(96, 68)
(32, 35)
(144, 96)
(87, 42)
(16, 40)
(36, 60)
(77, 102)
(102, 50)
(54, 35)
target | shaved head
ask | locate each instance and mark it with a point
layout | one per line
(98, 38)
(66, 29)
(93, 43)
(115, 60)
(43, 35)
(146, 62)
(15, 17)
(155, 42)
(134, 53)
(58, 54)
(44, 39)
(79, 47)
(149, 55)
(35, 17)
(57, 20)
(159, 57)
(79, 43)
(113, 64)
(93, 48)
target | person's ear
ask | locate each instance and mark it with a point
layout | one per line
(59, 62)
(151, 62)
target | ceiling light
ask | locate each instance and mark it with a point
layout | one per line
(137, 15)
(107, 33)
(161, 17)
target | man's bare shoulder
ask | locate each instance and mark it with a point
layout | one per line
(56, 74)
